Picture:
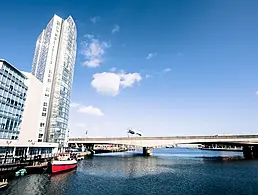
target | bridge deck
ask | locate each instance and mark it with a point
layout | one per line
(223, 137)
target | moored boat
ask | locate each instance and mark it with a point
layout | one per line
(64, 162)
(3, 184)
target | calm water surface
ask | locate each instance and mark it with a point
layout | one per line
(169, 171)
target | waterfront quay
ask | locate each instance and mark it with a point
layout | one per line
(15, 154)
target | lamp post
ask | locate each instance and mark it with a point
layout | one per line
(28, 149)
(6, 150)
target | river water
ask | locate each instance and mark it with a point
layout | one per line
(168, 171)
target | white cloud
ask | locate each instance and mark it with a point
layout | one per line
(151, 55)
(166, 70)
(89, 36)
(93, 51)
(90, 110)
(92, 63)
(74, 105)
(109, 83)
(256, 92)
(113, 69)
(115, 29)
(127, 80)
(106, 83)
(94, 19)
(148, 76)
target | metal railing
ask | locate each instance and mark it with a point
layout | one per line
(22, 159)
(167, 138)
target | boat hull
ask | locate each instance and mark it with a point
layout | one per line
(59, 166)
(3, 185)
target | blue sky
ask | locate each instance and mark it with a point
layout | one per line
(161, 67)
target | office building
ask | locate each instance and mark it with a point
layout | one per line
(20, 109)
(13, 92)
(53, 65)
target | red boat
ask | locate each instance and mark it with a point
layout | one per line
(63, 163)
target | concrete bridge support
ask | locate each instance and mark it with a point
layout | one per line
(255, 151)
(90, 147)
(247, 152)
(146, 151)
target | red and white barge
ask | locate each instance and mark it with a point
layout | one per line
(63, 163)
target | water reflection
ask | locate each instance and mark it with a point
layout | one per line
(29, 185)
(129, 173)
(130, 166)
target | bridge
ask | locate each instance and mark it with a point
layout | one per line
(249, 142)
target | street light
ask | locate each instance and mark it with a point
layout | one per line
(29, 141)
(6, 150)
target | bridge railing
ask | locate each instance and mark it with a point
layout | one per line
(168, 138)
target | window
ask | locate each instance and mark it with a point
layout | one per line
(45, 104)
(49, 80)
(39, 140)
(45, 109)
(12, 101)
(8, 100)
(43, 114)
(40, 135)
(42, 124)
(15, 103)
(46, 95)
(11, 87)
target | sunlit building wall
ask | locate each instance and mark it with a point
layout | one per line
(53, 64)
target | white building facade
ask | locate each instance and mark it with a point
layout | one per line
(30, 126)
(53, 65)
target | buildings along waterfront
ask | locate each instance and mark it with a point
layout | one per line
(34, 107)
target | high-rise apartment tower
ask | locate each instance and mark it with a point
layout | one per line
(53, 65)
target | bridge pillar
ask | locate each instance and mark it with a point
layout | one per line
(247, 152)
(146, 151)
(255, 151)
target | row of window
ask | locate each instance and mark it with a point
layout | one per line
(7, 108)
(12, 102)
(8, 135)
(8, 97)
(12, 77)
(11, 73)
(14, 115)
(9, 124)
(13, 87)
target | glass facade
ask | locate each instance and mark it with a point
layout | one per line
(63, 83)
(53, 64)
(13, 93)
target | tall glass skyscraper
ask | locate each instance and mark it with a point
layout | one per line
(53, 64)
